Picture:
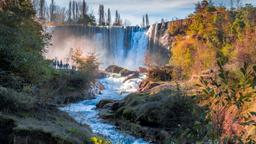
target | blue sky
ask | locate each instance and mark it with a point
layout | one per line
(133, 10)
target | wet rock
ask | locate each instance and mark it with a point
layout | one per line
(105, 103)
(132, 76)
(97, 89)
(114, 69)
(119, 70)
(106, 114)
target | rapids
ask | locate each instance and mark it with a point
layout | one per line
(85, 112)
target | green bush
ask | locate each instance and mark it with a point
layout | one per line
(14, 101)
(169, 110)
(160, 73)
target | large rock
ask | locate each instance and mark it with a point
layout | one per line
(105, 103)
(119, 70)
(147, 85)
(113, 69)
(132, 76)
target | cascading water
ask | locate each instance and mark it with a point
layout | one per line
(124, 46)
(86, 113)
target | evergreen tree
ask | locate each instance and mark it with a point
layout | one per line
(109, 17)
(52, 7)
(143, 21)
(118, 21)
(147, 20)
(77, 11)
(74, 9)
(42, 9)
(70, 11)
(101, 15)
(22, 42)
(84, 9)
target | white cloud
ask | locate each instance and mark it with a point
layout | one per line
(133, 10)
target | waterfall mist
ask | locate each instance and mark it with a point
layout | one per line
(112, 45)
(128, 47)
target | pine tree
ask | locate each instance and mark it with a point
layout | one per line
(52, 7)
(41, 10)
(118, 21)
(74, 9)
(143, 21)
(77, 11)
(147, 20)
(84, 9)
(70, 11)
(101, 15)
(109, 17)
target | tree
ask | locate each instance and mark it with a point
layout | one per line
(147, 20)
(101, 15)
(84, 9)
(52, 8)
(22, 42)
(238, 3)
(42, 9)
(70, 11)
(74, 9)
(232, 4)
(77, 11)
(118, 21)
(109, 17)
(143, 21)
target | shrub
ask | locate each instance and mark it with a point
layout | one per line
(99, 140)
(14, 101)
(160, 73)
(231, 98)
(169, 110)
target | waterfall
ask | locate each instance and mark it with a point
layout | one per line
(123, 46)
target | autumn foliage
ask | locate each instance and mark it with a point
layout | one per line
(213, 33)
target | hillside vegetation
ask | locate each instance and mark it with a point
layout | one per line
(213, 33)
(207, 92)
(31, 89)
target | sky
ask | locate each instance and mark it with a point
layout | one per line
(133, 10)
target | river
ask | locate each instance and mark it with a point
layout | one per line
(85, 112)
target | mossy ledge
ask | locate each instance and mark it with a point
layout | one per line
(49, 126)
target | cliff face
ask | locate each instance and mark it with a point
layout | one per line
(161, 39)
(163, 34)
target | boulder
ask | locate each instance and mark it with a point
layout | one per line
(126, 73)
(106, 114)
(114, 69)
(119, 70)
(147, 85)
(105, 103)
(132, 76)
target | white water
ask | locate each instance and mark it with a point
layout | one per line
(85, 112)
(124, 46)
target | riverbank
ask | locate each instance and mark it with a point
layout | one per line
(160, 117)
(85, 112)
(25, 120)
